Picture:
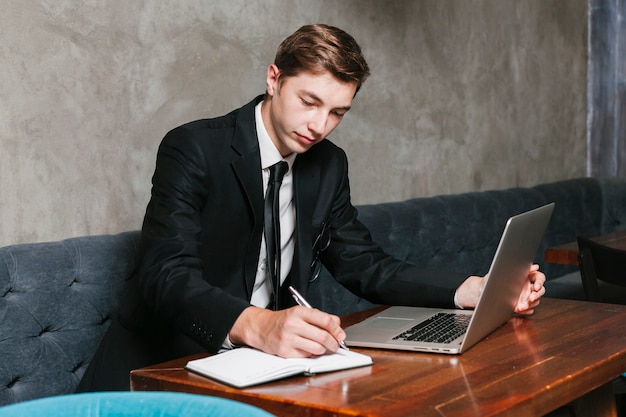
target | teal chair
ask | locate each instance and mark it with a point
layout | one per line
(131, 404)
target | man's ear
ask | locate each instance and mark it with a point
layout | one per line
(272, 81)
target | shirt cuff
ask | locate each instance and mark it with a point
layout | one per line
(228, 344)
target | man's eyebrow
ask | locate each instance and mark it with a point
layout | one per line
(316, 98)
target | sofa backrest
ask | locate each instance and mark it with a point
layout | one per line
(56, 301)
(461, 231)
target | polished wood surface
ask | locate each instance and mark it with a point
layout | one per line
(567, 254)
(568, 351)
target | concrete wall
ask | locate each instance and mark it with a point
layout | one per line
(465, 95)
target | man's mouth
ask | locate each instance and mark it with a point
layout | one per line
(305, 139)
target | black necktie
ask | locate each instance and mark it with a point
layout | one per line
(272, 225)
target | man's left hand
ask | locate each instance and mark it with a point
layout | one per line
(532, 292)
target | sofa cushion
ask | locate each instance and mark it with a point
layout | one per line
(56, 301)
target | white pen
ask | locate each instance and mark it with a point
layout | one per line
(304, 303)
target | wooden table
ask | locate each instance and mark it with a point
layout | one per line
(567, 254)
(569, 351)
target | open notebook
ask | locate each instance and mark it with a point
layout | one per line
(243, 367)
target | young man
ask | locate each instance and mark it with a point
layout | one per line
(203, 282)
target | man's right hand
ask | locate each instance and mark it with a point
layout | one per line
(295, 332)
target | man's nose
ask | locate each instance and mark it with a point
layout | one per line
(317, 124)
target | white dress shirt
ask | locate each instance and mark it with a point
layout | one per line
(262, 290)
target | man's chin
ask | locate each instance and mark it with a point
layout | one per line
(303, 147)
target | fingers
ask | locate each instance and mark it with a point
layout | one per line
(295, 332)
(532, 292)
(537, 293)
(536, 277)
(528, 309)
(314, 331)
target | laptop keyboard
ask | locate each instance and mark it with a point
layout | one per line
(440, 328)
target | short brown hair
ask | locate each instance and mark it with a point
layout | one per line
(319, 47)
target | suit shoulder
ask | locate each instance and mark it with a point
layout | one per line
(228, 122)
(204, 125)
(197, 132)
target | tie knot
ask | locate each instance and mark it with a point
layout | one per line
(278, 171)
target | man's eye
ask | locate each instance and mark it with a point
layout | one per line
(339, 113)
(306, 103)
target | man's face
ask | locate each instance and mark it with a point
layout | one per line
(302, 110)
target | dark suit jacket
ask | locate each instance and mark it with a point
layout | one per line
(203, 226)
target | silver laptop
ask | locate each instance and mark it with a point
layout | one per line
(455, 331)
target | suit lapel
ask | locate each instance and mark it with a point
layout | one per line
(247, 168)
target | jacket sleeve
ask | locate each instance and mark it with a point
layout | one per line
(171, 277)
(359, 264)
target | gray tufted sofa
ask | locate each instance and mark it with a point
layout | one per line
(57, 298)
(56, 301)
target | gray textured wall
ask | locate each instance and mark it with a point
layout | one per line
(465, 95)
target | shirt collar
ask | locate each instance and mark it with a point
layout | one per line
(269, 153)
